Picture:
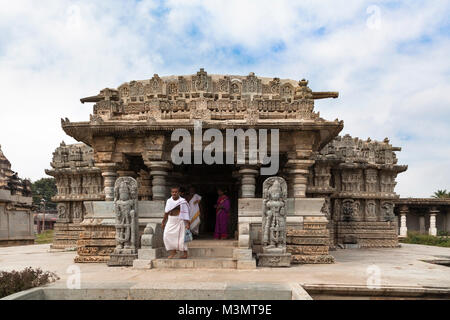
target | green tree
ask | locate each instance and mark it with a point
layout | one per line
(441, 194)
(44, 188)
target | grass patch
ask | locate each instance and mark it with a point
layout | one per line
(16, 281)
(425, 239)
(44, 237)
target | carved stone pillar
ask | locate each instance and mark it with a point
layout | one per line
(109, 173)
(422, 224)
(248, 181)
(433, 230)
(299, 170)
(403, 228)
(158, 172)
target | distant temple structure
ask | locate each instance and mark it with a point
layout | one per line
(340, 189)
(77, 180)
(16, 218)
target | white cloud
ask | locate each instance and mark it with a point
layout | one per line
(393, 80)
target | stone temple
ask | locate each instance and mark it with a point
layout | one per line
(340, 190)
(16, 217)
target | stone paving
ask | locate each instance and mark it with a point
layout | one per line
(398, 267)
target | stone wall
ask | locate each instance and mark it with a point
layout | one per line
(357, 178)
(97, 236)
(308, 236)
(16, 218)
(311, 244)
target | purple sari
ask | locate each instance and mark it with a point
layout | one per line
(222, 216)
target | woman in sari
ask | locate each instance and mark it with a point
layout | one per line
(222, 215)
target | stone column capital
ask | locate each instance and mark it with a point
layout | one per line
(298, 171)
(300, 164)
(433, 211)
(107, 166)
(248, 180)
(248, 170)
(158, 165)
(158, 172)
(109, 173)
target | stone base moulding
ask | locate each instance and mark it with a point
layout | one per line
(118, 260)
(274, 260)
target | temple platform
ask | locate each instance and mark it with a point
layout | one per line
(402, 266)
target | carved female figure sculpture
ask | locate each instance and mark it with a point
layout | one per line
(125, 209)
(274, 213)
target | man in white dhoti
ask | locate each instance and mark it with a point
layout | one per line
(194, 204)
(175, 222)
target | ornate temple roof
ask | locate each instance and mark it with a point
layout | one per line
(207, 83)
(352, 152)
(9, 179)
(72, 157)
(219, 101)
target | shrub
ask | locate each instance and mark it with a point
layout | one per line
(15, 281)
(44, 237)
(443, 233)
(417, 238)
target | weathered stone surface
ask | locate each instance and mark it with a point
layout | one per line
(242, 254)
(97, 234)
(308, 233)
(312, 259)
(246, 264)
(307, 250)
(96, 242)
(94, 251)
(122, 259)
(362, 192)
(77, 180)
(274, 260)
(308, 241)
(368, 234)
(91, 259)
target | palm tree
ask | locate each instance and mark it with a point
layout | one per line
(441, 194)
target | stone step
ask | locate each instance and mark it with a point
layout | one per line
(211, 252)
(195, 263)
(212, 243)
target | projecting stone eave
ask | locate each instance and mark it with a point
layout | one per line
(84, 131)
(386, 167)
(423, 201)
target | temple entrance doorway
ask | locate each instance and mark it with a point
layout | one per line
(207, 179)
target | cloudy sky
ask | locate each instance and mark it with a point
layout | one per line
(390, 61)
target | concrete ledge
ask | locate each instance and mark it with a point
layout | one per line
(349, 291)
(161, 291)
(224, 291)
(298, 293)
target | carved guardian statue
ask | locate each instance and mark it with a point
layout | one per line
(127, 224)
(274, 213)
(274, 224)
